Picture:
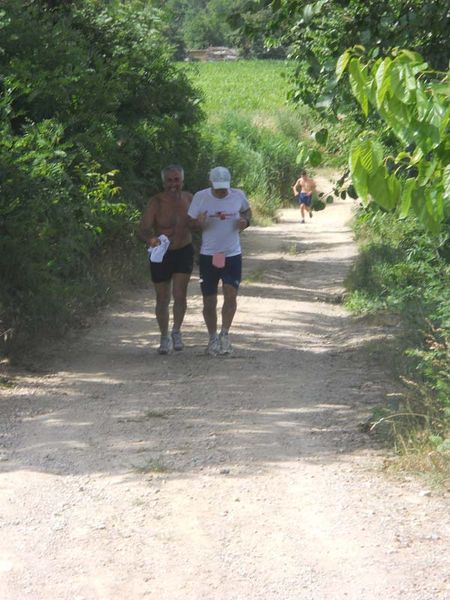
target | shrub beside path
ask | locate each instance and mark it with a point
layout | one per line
(125, 474)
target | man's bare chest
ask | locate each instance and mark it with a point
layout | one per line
(171, 212)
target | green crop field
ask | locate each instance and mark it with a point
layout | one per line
(243, 86)
(251, 127)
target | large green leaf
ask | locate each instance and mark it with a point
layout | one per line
(435, 204)
(433, 211)
(383, 80)
(358, 173)
(446, 182)
(424, 104)
(370, 156)
(427, 169)
(302, 154)
(417, 112)
(379, 189)
(394, 189)
(410, 80)
(342, 63)
(398, 83)
(397, 115)
(437, 116)
(413, 61)
(427, 210)
(358, 82)
(321, 136)
(405, 204)
(315, 158)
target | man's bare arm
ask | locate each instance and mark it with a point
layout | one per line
(245, 219)
(197, 223)
(146, 229)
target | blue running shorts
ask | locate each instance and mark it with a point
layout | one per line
(210, 276)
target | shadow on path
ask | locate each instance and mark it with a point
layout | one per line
(296, 388)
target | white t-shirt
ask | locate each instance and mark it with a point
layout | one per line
(220, 232)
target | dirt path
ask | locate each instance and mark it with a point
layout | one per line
(126, 475)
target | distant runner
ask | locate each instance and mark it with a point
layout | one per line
(303, 190)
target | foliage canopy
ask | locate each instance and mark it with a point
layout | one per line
(204, 23)
(415, 105)
(91, 107)
(318, 32)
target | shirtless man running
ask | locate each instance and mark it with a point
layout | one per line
(303, 190)
(166, 213)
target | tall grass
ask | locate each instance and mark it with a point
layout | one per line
(251, 128)
(248, 87)
(402, 270)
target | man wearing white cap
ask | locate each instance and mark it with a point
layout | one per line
(221, 212)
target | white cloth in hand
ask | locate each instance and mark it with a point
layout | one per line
(156, 254)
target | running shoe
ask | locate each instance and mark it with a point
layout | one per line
(213, 348)
(225, 344)
(177, 341)
(165, 345)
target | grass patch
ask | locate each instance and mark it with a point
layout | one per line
(257, 88)
(403, 272)
(423, 455)
(154, 414)
(292, 249)
(151, 466)
(6, 382)
(145, 416)
(255, 276)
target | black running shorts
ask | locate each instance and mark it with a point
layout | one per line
(180, 260)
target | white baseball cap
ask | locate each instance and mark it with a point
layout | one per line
(220, 178)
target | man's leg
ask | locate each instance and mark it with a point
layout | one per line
(180, 283)
(210, 316)
(162, 306)
(228, 312)
(210, 313)
(229, 305)
(209, 278)
(302, 211)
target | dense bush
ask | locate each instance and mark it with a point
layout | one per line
(318, 31)
(404, 270)
(91, 107)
